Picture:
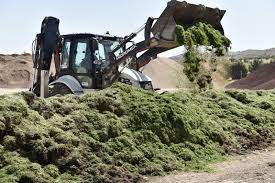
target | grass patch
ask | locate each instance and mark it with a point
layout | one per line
(123, 133)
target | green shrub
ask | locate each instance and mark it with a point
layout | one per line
(256, 64)
(238, 70)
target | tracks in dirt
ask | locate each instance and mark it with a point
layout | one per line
(256, 167)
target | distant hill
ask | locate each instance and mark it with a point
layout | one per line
(247, 54)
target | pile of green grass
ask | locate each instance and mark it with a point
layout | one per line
(123, 133)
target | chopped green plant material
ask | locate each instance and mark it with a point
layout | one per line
(122, 133)
(200, 34)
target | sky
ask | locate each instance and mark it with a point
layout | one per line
(250, 24)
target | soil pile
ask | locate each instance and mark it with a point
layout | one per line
(166, 73)
(123, 133)
(261, 79)
(15, 71)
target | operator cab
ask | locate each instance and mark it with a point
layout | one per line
(84, 56)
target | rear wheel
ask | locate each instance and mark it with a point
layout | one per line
(59, 89)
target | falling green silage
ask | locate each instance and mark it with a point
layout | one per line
(123, 133)
(200, 34)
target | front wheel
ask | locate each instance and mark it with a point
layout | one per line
(146, 85)
(59, 89)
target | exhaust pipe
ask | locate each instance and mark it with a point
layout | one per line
(46, 43)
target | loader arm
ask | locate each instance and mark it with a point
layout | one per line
(162, 30)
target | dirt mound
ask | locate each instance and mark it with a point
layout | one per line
(261, 79)
(166, 73)
(15, 71)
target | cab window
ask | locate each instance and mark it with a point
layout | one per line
(104, 48)
(82, 62)
(66, 54)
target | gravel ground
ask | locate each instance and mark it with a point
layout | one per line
(256, 167)
(4, 91)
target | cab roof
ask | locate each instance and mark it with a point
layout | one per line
(89, 36)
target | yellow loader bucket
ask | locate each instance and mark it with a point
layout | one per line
(183, 13)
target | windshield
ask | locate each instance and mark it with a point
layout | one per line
(104, 48)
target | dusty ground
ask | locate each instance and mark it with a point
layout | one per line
(257, 167)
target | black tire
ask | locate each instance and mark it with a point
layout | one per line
(59, 89)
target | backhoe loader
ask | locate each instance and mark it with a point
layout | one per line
(86, 62)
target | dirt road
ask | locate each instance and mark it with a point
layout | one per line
(4, 91)
(257, 167)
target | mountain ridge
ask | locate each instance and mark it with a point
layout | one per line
(245, 54)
